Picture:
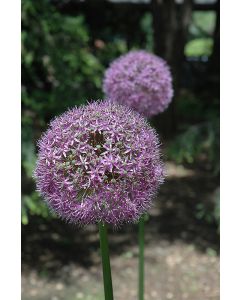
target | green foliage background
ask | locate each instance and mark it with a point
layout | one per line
(62, 66)
(59, 70)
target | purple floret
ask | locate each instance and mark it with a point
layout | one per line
(100, 162)
(141, 81)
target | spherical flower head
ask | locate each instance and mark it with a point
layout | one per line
(99, 162)
(141, 81)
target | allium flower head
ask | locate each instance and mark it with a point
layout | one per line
(100, 162)
(141, 81)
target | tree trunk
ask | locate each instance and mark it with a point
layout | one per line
(170, 27)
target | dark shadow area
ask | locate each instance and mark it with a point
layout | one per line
(48, 245)
(178, 207)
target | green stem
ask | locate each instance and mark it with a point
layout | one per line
(141, 258)
(107, 278)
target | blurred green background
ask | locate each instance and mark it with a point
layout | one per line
(66, 47)
(63, 62)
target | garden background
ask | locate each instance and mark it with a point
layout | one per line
(66, 47)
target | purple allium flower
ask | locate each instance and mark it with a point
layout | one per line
(141, 81)
(100, 162)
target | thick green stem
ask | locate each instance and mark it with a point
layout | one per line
(141, 259)
(107, 278)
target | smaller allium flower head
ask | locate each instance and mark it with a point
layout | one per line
(100, 162)
(141, 81)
